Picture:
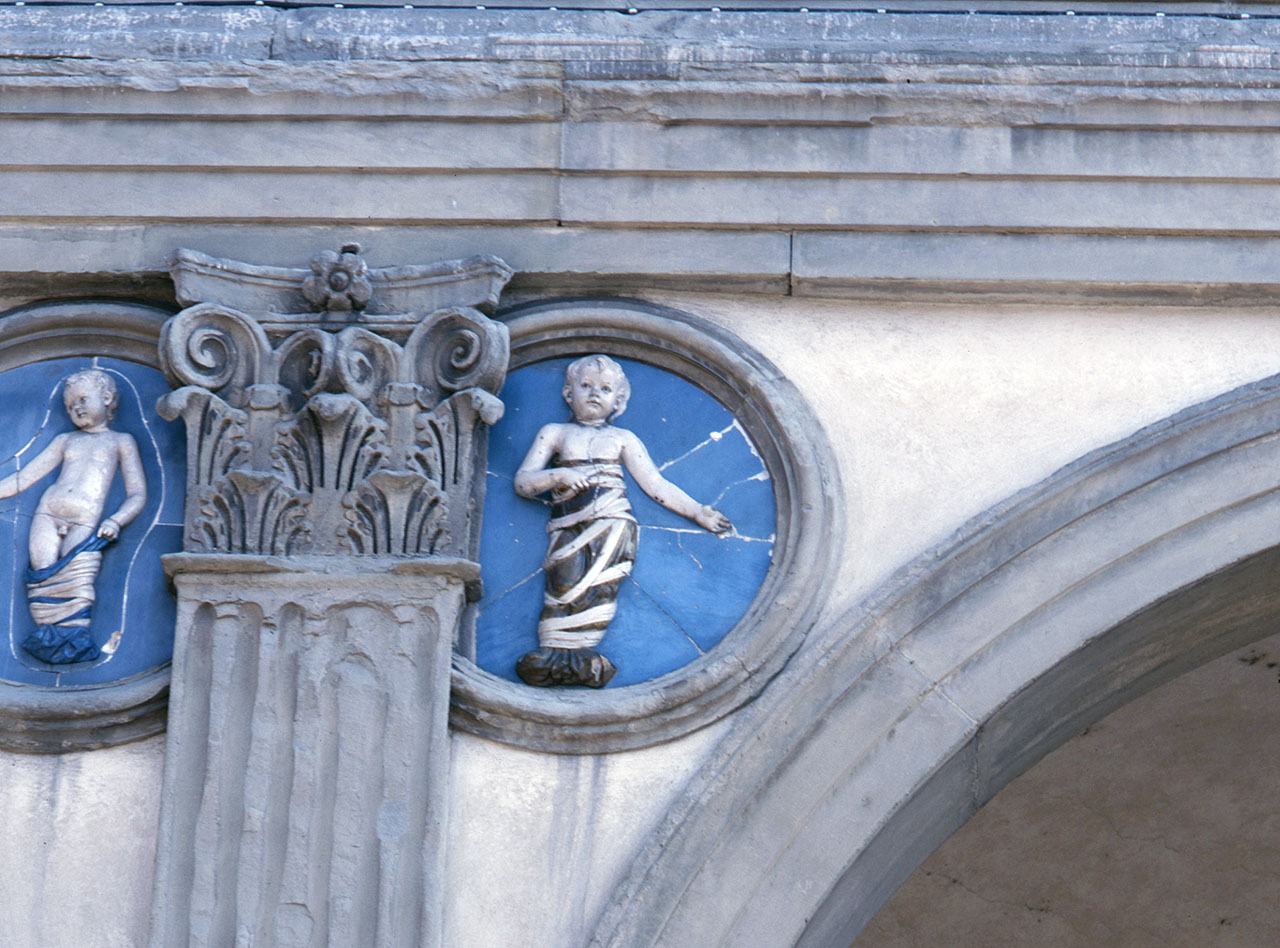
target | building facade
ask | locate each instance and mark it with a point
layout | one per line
(964, 315)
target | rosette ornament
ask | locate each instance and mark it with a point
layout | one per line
(338, 281)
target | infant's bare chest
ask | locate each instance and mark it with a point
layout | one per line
(579, 443)
(88, 455)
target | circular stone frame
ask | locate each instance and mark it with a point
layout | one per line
(41, 720)
(806, 485)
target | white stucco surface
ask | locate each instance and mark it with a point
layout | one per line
(537, 842)
(934, 413)
(77, 842)
(938, 412)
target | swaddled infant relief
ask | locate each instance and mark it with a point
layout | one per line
(592, 542)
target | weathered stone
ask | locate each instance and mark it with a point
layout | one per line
(305, 777)
(336, 439)
(308, 751)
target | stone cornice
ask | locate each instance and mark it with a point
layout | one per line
(672, 44)
(734, 152)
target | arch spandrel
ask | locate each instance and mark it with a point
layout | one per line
(888, 730)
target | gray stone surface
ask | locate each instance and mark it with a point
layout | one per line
(307, 756)
(335, 462)
(1087, 266)
(349, 430)
(235, 146)
(741, 140)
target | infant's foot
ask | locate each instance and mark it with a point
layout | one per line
(547, 667)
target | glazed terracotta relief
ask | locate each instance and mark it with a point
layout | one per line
(87, 507)
(616, 552)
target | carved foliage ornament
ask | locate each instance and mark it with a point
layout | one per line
(333, 442)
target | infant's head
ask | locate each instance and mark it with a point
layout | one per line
(98, 385)
(595, 385)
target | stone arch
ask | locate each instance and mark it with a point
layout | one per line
(894, 723)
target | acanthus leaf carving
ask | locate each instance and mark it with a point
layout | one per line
(396, 512)
(333, 441)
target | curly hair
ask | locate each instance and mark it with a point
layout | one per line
(601, 363)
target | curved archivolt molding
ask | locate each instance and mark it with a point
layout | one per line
(887, 731)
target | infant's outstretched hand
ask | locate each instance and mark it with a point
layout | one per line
(711, 519)
(109, 529)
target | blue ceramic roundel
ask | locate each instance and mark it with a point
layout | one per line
(133, 611)
(688, 587)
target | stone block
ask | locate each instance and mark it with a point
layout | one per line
(930, 204)
(277, 196)
(304, 790)
(862, 149)
(558, 257)
(408, 144)
(164, 33)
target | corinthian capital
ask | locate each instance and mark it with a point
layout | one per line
(352, 425)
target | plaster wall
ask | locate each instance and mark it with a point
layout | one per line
(77, 845)
(935, 412)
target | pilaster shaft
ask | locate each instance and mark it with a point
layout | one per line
(304, 790)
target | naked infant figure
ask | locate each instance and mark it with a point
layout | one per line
(592, 532)
(67, 530)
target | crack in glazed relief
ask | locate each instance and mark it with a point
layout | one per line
(657, 604)
(713, 438)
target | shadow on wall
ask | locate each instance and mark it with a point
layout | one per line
(1147, 829)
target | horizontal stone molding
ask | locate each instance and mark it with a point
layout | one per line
(654, 36)
(34, 719)
(57, 720)
(1038, 268)
(208, 566)
(896, 722)
(808, 496)
(890, 155)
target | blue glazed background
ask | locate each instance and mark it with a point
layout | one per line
(131, 590)
(689, 587)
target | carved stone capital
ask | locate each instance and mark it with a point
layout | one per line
(334, 437)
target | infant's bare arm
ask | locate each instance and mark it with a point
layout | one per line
(534, 477)
(135, 487)
(636, 457)
(40, 465)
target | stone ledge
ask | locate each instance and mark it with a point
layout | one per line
(221, 564)
(621, 42)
